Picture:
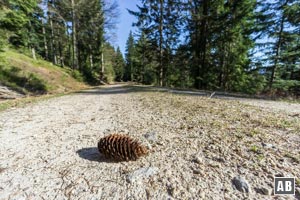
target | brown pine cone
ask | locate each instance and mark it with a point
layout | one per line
(121, 147)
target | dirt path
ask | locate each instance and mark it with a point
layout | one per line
(39, 147)
(48, 150)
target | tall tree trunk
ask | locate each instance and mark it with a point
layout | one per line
(53, 49)
(33, 52)
(74, 34)
(203, 44)
(61, 56)
(30, 40)
(277, 49)
(161, 70)
(45, 42)
(91, 61)
(102, 63)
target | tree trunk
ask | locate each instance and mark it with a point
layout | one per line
(277, 50)
(45, 43)
(203, 44)
(91, 61)
(54, 59)
(61, 56)
(160, 67)
(33, 52)
(74, 34)
(102, 63)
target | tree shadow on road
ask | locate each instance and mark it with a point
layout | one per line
(92, 154)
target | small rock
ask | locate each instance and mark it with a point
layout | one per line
(214, 164)
(241, 184)
(197, 159)
(202, 195)
(196, 171)
(267, 145)
(141, 173)
(170, 189)
(264, 191)
(280, 174)
(160, 143)
(221, 160)
(2, 170)
(151, 137)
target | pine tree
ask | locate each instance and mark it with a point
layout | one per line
(280, 43)
(159, 21)
(130, 58)
(144, 59)
(119, 65)
(220, 42)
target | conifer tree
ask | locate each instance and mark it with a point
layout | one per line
(130, 58)
(119, 65)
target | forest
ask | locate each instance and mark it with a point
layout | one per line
(247, 46)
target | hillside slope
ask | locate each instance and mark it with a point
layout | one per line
(30, 77)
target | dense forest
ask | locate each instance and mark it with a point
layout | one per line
(248, 46)
(68, 33)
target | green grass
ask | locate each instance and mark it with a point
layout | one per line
(22, 82)
(28, 76)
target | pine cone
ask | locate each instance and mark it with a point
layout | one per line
(121, 147)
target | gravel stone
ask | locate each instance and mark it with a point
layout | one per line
(198, 160)
(151, 137)
(268, 146)
(140, 174)
(241, 184)
(264, 190)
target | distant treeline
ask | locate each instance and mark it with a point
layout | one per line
(248, 46)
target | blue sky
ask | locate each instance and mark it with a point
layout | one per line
(125, 22)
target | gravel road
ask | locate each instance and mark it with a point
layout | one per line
(199, 146)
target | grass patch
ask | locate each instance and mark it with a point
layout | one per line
(298, 181)
(25, 83)
(28, 76)
(255, 149)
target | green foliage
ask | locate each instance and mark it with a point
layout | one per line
(280, 25)
(77, 75)
(109, 55)
(16, 18)
(130, 57)
(160, 24)
(255, 149)
(109, 74)
(286, 87)
(119, 65)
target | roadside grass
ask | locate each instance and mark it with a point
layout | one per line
(229, 121)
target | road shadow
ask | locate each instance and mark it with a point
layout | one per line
(92, 154)
(119, 89)
(128, 88)
(124, 89)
